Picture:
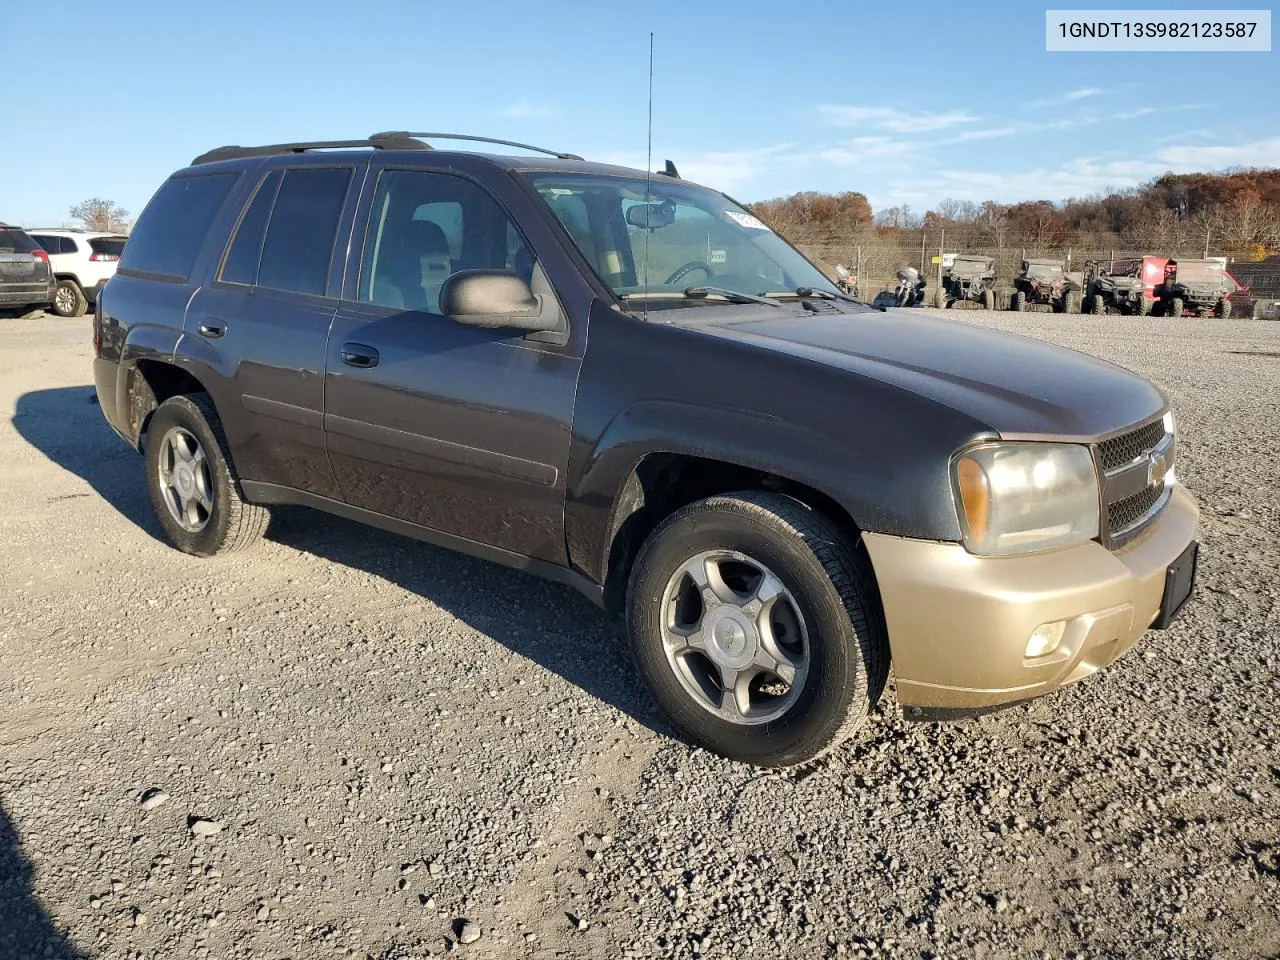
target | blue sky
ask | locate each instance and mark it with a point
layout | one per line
(758, 98)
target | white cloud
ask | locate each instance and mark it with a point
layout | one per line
(861, 151)
(892, 119)
(1071, 96)
(991, 133)
(1258, 153)
(524, 109)
(1134, 114)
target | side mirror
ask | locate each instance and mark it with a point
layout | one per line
(651, 216)
(496, 299)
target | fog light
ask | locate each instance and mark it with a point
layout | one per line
(1046, 638)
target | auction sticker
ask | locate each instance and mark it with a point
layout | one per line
(1158, 31)
(745, 220)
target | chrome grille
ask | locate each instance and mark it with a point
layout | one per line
(1127, 447)
(1132, 468)
(1125, 513)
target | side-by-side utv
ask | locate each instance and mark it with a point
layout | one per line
(1047, 282)
(1115, 285)
(1197, 287)
(971, 278)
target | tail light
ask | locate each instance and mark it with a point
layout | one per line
(103, 257)
(40, 255)
(97, 322)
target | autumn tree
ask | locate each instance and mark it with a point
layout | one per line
(99, 214)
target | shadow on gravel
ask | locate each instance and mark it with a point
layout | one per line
(25, 929)
(66, 425)
(549, 624)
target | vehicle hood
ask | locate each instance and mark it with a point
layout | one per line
(1011, 384)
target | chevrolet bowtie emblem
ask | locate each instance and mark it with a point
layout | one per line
(1157, 467)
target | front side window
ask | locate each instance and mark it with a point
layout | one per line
(660, 238)
(424, 227)
(298, 247)
(168, 236)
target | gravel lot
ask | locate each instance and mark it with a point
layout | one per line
(361, 741)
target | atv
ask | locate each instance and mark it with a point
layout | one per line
(1115, 285)
(969, 278)
(1194, 286)
(910, 290)
(1046, 282)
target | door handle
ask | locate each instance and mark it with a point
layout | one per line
(360, 356)
(212, 330)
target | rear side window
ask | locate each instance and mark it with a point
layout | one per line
(13, 240)
(171, 230)
(107, 246)
(241, 265)
(304, 221)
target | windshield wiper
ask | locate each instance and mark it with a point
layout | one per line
(804, 293)
(698, 293)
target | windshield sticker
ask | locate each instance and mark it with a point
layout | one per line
(745, 220)
(718, 256)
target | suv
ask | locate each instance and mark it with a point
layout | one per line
(83, 261)
(629, 384)
(26, 280)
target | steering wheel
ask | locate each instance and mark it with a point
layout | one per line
(680, 271)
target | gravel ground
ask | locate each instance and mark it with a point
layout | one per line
(350, 744)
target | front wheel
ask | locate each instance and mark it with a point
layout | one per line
(1224, 308)
(1019, 302)
(988, 299)
(757, 627)
(190, 477)
(1176, 307)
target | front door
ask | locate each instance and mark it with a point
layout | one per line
(458, 429)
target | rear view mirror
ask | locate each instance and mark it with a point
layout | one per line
(496, 299)
(651, 216)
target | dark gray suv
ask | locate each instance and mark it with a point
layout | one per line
(26, 279)
(628, 383)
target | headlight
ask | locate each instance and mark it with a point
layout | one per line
(1023, 497)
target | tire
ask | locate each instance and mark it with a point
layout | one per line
(819, 575)
(940, 301)
(1071, 301)
(1175, 307)
(1019, 302)
(219, 520)
(1224, 308)
(1097, 305)
(69, 300)
(988, 299)
(1144, 306)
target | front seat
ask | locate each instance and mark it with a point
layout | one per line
(417, 265)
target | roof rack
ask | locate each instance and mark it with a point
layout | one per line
(405, 134)
(377, 141)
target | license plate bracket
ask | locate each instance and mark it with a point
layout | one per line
(1179, 584)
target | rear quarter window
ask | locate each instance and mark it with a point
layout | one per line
(16, 241)
(171, 230)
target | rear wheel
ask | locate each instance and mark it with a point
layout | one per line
(1097, 306)
(193, 486)
(1224, 308)
(756, 625)
(988, 299)
(1071, 302)
(1142, 307)
(1175, 307)
(1019, 302)
(69, 300)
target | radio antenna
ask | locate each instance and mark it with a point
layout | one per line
(648, 179)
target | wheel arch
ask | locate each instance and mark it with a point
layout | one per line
(150, 382)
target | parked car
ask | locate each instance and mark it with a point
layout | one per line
(781, 489)
(1260, 301)
(1047, 282)
(26, 279)
(83, 261)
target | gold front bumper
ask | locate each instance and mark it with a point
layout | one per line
(959, 624)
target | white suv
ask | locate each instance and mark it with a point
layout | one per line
(82, 260)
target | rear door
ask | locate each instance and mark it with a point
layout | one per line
(459, 429)
(265, 318)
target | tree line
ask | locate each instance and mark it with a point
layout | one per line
(1236, 214)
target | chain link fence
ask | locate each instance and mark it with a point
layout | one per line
(875, 257)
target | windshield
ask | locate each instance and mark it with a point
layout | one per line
(674, 238)
(1199, 271)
